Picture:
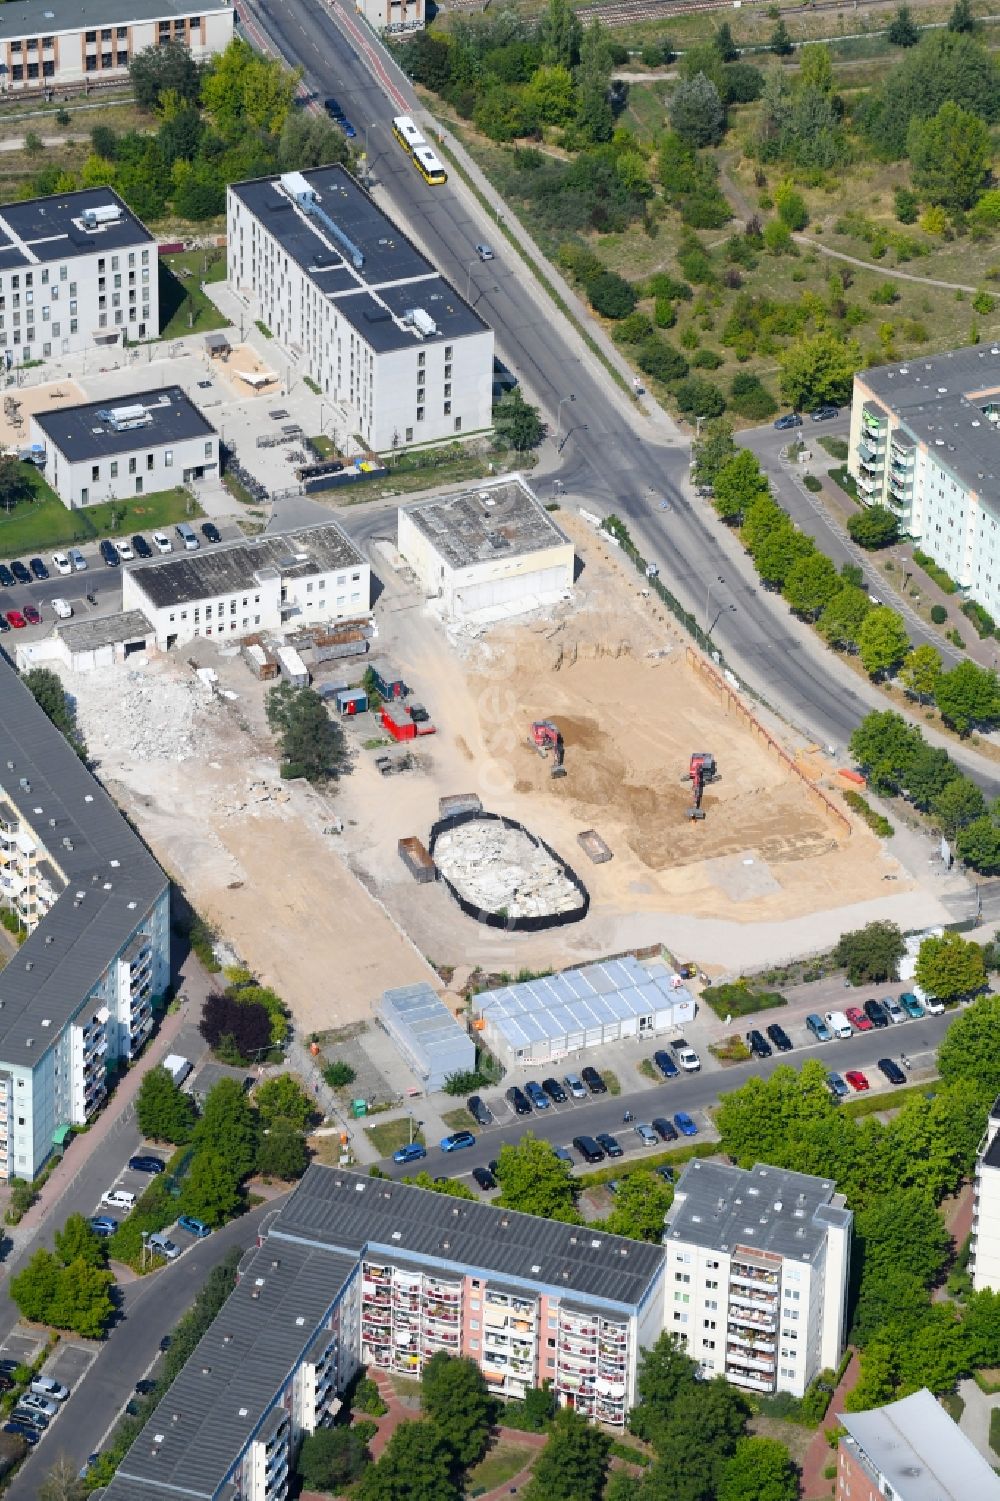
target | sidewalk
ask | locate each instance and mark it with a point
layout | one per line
(815, 1486)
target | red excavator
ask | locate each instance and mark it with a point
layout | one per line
(701, 770)
(545, 737)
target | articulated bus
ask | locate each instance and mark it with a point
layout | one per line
(406, 133)
(428, 166)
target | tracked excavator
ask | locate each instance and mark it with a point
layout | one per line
(701, 770)
(546, 737)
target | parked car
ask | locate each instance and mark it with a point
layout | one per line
(162, 542)
(838, 1025)
(32, 615)
(555, 1091)
(109, 553)
(856, 1079)
(576, 1086)
(479, 1110)
(684, 1123)
(588, 1149)
(333, 109)
(125, 550)
(146, 1164)
(60, 563)
(16, 620)
(484, 1178)
(118, 1198)
(164, 1246)
(646, 1135)
(593, 1080)
(609, 1143)
(210, 532)
(859, 1020)
(77, 559)
(562, 1154)
(536, 1094)
(7, 1383)
(103, 1224)
(23, 1430)
(686, 1055)
(44, 1386)
(779, 1037)
(8, 1366)
(38, 568)
(61, 608)
(518, 1100)
(665, 1130)
(790, 419)
(835, 1084)
(931, 1004)
(893, 1010)
(4, 624)
(457, 1140)
(413, 1151)
(43, 1405)
(21, 572)
(6, 577)
(347, 128)
(485, 252)
(146, 1387)
(141, 546)
(665, 1064)
(36, 1420)
(876, 1014)
(194, 1227)
(825, 414)
(911, 1005)
(758, 1044)
(892, 1071)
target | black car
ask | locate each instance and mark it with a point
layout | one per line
(146, 1387)
(593, 1080)
(31, 1435)
(141, 547)
(665, 1064)
(588, 1149)
(165, 1343)
(780, 1038)
(493, 1164)
(876, 1013)
(608, 1142)
(109, 553)
(790, 419)
(484, 1178)
(38, 568)
(518, 1101)
(333, 109)
(6, 577)
(8, 1366)
(665, 1130)
(210, 531)
(555, 1091)
(479, 1110)
(4, 623)
(144, 1164)
(21, 572)
(758, 1044)
(892, 1071)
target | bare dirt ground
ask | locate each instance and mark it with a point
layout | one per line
(244, 360)
(611, 671)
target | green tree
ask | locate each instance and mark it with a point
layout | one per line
(611, 295)
(243, 91)
(978, 844)
(877, 1383)
(47, 690)
(535, 1181)
(780, 550)
(312, 746)
(164, 1113)
(211, 1190)
(724, 44)
(791, 205)
(841, 621)
(883, 642)
(756, 1120)
(738, 483)
(884, 745)
(959, 802)
(697, 397)
(815, 67)
(640, 1205)
(704, 1427)
(871, 955)
(283, 1098)
(873, 527)
(452, 1188)
(82, 1300)
(950, 966)
(34, 1288)
(517, 423)
(760, 1469)
(560, 34)
(696, 112)
(713, 450)
(574, 1463)
(950, 156)
(818, 368)
(553, 94)
(229, 1127)
(416, 1465)
(453, 1395)
(920, 673)
(968, 695)
(781, 42)
(903, 31)
(934, 1353)
(929, 771)
(164, 70)
(962, 19)
(811, 584)
(77, 1242)
(665, 1370)
(281, 1152)
(970, 1049)
(332, 1458)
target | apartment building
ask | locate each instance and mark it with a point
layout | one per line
(51, 44)
(309, 575)
(910, 1451)
(984, 1252)
(77, 270)
(103, 450)
(358, 309)
(924, 442)
(79, 993)
(756, 1274)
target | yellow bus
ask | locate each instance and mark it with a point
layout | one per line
(406, 133)
(428, 165)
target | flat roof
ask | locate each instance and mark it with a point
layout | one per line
(124, 424)
(226, 1391)
(941, 400)
(32, 18)
(112, 880)
(417, 1010)
(393, 277)
(359, 1215)
(576, 999)
(502, 520)
(42, 230)
(765, 1208)
(920, 1451)
(104, 630)
(231, 566)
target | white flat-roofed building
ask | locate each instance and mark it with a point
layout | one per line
(911, 1450)
(115, 450)
(492, 550)
(77, 270)
(359, 309)
(311, 575)
(757, 1267)
(45, 44)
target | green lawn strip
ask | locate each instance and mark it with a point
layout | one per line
(44, 522)
(505, 1460)
(184, 307)
(675, 1159)
(458, 1120)
(389, 1135)
(871, 1104)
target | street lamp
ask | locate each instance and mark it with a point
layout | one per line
(708, 595)
(559, 414)
(413, 1125)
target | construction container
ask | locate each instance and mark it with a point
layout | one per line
(345, 641)
(292, 667)
(430, 1039)
(416, 859)
(261, 662)
(388, 686)
(397, 722)
(351, 701)
(593, 846)
(459, 802)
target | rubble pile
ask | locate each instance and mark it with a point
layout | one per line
(143, 714)
(502, 870)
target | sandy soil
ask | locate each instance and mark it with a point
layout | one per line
(47, 398)
(243, 358)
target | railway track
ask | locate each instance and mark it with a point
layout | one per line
(623, 12)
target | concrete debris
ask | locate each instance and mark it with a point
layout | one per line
(502, 870)
(145, 713)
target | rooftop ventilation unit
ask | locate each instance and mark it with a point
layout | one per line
(105, 213)
(307, 199)
(421, 320)
(122, 419)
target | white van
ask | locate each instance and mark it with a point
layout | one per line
(62, 608)
(838, 1024)
(187, 536)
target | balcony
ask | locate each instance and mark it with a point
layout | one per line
(745, 1378)
(754, 1300)
(747, 1277)
(749, 1362)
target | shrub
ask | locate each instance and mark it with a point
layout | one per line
(749, 397)
(875, 821)
(735, 998)
(706, 359)
(660, 360)
(906, 205)
(777, 237)
(696, 263)
(873, 527)
(982, 303)
(664, 313)
(812, 483)
(982, 619)
(338, 1075)
(933, 570)
(699, 397)
(611, 295)
(939, 614)
(885, 294)
(634, 328)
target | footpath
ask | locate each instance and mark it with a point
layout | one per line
(815, 1485)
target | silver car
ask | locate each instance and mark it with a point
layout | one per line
(485, 252)
(576, 1086)
(646, 1135)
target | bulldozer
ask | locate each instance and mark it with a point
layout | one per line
(545, 737)
(701, 771)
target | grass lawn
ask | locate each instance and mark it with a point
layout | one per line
(505, 1460)
(325, 446)
(44, 522)
(458, 1120)
(184, 308)
(871, 1104)
(385, 1138)
(954, 1406)
(995, 1430)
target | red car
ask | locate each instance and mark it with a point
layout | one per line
(16, 619)
(856, 1080)
(858, 1020)
(31, 615)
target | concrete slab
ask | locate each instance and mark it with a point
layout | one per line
(23, 1344)
(70, 1362)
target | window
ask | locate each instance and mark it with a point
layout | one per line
(458, 424)
(682, 1277)
(131, 466)
(448, 351)
(168, 458)
(420, 414)
(114, 468)
(447, 409)
(138, 485)
(208, 449)
(409, 435)
(95, 471)
(84, 496)
(708, 1323)
(150, 462)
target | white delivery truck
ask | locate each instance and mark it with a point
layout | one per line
(177, 1067)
